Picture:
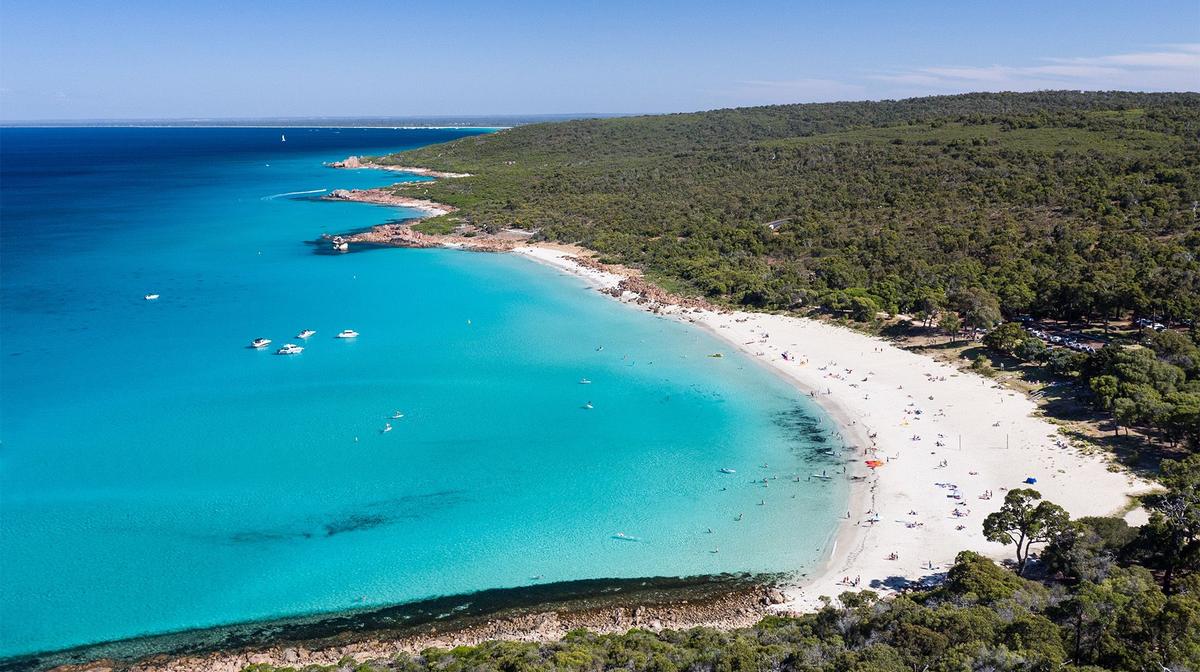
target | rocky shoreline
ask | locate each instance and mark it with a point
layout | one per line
(385, 197)
(401, 234)
(355, 162)
(632, 286)
(541, 613)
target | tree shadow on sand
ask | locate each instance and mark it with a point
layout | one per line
(902, 584)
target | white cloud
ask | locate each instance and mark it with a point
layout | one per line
(1166, 67)
(1173, 67)
(1185, 58)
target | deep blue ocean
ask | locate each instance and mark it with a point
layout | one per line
(158, 475)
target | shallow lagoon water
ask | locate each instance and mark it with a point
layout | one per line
(159, 475)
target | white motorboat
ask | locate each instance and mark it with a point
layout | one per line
(306, 333)
(584, 381)
(727, 470)
(347, 333)
(151, 297)
(387, 427)
(397, 415)
(260, 343)
(588, 406)
(289, 349)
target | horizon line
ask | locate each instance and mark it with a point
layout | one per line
(436, 120)
(282, 120)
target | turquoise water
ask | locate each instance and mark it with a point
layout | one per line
(158, 475)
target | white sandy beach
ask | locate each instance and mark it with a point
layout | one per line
(922, 414)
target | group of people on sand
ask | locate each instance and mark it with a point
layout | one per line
(912, 413)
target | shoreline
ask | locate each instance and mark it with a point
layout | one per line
(893, 395)
(357, 162)
(384, 197)
(902, 400)
(528, 613)
(846, 534)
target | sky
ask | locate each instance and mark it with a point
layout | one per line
(137, 59)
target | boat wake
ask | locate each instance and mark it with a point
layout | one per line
(292, 193)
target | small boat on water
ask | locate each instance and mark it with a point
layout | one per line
(306, 333)
(260, 343)
(624, 537)
(387, 427)
(151, 297)
(823, 477)
(282, 137)
(727, 470)
(397, 415)
(584, 381)
(588, 406)
(289, 349)
(347, 333)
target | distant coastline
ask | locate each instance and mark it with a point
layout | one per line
(486, 121)
(274, 126)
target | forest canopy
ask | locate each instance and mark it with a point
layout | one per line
(1066, 205)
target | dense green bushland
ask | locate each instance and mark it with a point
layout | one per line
(1110, 596)
(1060, 204)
